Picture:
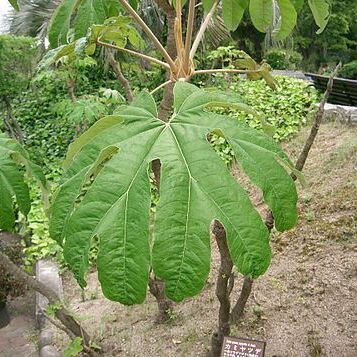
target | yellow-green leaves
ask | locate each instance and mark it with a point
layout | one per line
(105, 194)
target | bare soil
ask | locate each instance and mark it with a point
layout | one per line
(305, 305)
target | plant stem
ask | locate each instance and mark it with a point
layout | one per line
(226, 70)
(162, 85)
(134, 53)
(178, 29)
(149, 33)
(157, 289)
(202, 30)
(222, 289)
(189, 31)
(119, 74)
(238, 309)
(300, 163)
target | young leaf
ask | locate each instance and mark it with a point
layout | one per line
(196, 188)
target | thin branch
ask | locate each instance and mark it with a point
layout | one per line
(58, 325)
(134, 53)
(227, 70)
(189, 31)
(238, 309)
(202, 29)
(150, 34)
(116, 67)
(316, 125)
(162, 85)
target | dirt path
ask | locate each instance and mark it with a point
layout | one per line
(304, 306)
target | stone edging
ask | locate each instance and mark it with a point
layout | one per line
(47, 272)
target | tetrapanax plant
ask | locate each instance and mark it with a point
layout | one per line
(105, 192)
(113, 158)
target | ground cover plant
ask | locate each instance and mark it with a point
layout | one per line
(105, 190)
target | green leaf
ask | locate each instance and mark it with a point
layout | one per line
(288, 19)
(207, 4)
(14, 4)
(15, 179)
(261, 13)
(74, 348)
(196, 188)
(89, 12)
(7, 216)
(321, 12)
(298, 4)
(232, 11)
(60, 22)
(13, 158)
(87, 136)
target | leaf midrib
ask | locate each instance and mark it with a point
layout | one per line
(211, 198)
(188, 208)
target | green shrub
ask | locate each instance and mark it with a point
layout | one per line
(349, 70)
(283, 59)
(286, 108)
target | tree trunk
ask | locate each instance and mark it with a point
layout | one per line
(71, 87)
(11, 124)
(119, 74)
(238, 309)
(222, 290)
(300, 163)
(4, 315)
(62, 313)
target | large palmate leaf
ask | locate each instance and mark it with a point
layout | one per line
(105, 193)
(13, 163)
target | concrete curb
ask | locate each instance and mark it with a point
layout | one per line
(47, 272)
